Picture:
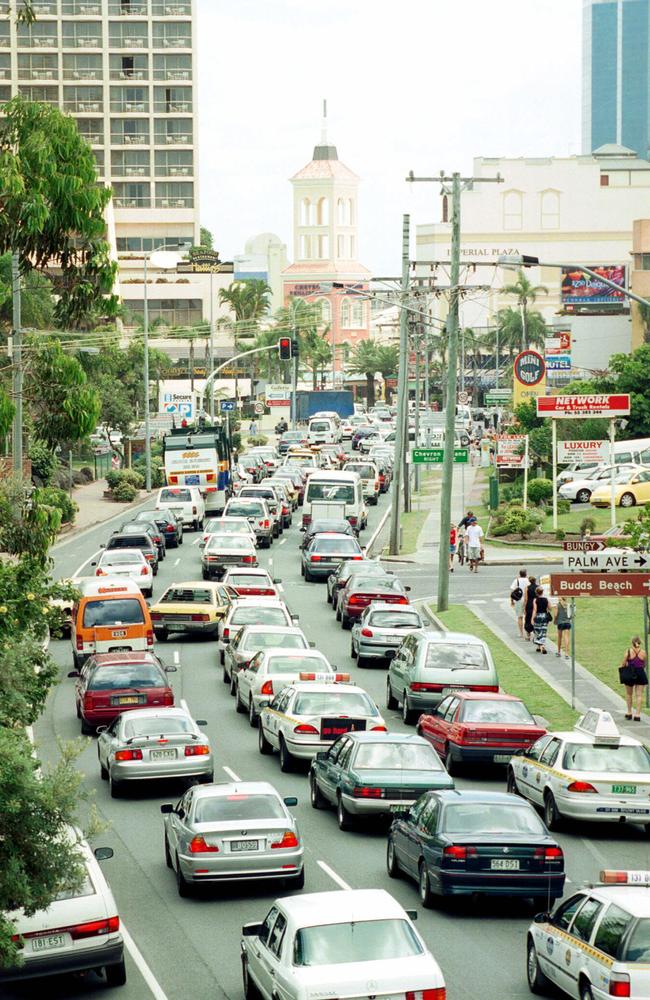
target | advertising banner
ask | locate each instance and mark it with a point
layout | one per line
(557, 352)
(529, 377)
(582, 451)
(510, 451)
(580, 289)
(573, 407)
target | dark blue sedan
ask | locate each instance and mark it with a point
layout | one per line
(457, 843)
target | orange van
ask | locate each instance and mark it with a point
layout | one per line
(110, 616)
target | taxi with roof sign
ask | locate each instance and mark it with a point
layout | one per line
(309, 715)
(270, 670)
(110, 616)
(591, 773)
(596, 943)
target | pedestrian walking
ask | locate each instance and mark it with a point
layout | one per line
(465, 522)
(474, 544)
(541, 618)
(632, 673)
(563, 625)
(529, 605)
(453, 541)
(252, 429)
(518, 599)
(461, 546)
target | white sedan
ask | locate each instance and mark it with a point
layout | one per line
(352, 944)
(129, 563)
(269, 672)
(579, 489)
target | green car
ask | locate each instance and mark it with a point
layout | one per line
(374, 774)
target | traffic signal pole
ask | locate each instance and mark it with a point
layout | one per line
(402, 391)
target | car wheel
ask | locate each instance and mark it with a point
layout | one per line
(585, 991)
(308, 576)
(251, 992)
(424, 887)
(392, 864)
(315, 794)
(205, 575)
(253, 717)
(583, 496)
(86, 728)
(511, 784)
(161, 634)
(263, 744)
(239, 705)
(391, 700)
(551, 815)
(628, 500)
(353, 652)
(346, 622)
(103, 773)
(338, 612)
(179, 540)
(286, 760)
(233, 686)
(537, 981)
(407, 712)
(115, 974)
(155, 570)
(329, 596)
(168, 857)
(296, 881)
(343, 817)
(183, 886)
(361, 661)
(115, 787)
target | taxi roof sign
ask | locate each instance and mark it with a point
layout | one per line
(598, 723)
(324, 678)
(614, 877)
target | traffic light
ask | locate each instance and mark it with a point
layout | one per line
(295, 348)
(284, 348)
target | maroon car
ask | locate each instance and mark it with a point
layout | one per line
(360, 591)
(475, 727)
(111, 683)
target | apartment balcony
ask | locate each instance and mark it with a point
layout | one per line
(132, 172)
(135, 139)
(123, 42)
(174, 202)
(42, 42)
(172, 9)
(82, 74)
(5, 74)
(82, 8)
(180, 139)
(173, 107)
(38, 74)
(86, 42)
(137, 9)
(128, 74)
(83, 107)
(5, 41)
(133, 107)
(132, 202)
(176, 172)
(43, 7)
(176, 43)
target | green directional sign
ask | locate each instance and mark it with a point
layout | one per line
(436, 456)
(498, 396)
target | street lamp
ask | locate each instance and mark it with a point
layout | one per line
(163, 259)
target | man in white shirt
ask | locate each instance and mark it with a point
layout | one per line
(474, 544)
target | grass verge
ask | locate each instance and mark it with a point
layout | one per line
(602, 516)
(515, 676)
(411, 525)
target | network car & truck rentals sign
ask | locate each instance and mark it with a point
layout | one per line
(529, 377)
(574, 407)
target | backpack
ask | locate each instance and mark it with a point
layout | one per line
(516, 594)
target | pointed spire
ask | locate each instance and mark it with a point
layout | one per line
(323, 131)
(324, 151)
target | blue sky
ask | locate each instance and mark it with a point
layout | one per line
(422, 85)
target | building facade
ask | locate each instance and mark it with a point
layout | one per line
(616, 74)
(264, 258)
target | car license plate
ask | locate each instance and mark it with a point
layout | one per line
(118, 633)
(502, 758)
(331, 729)
(504, 865)
(175, 627)
(128, 699)
(624, 789)
(47, 941)
(241, 846)
(400, 807)
(451, 688)
(164, 754)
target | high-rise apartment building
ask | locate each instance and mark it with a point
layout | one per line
(616, 75)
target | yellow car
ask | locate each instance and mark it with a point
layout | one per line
(630, 489)
(196, 607)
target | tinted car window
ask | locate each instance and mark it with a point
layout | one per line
(330, 703)
(584, 922)
(638, 947)
(189, 595)
(154, 727)
(132, 675)
(236, 807)
(491, 817)
(393, 619)
(447, 656)
(396, 757)
(181, 496)
(611, 930)
(343, 492)
(495, 712)
(121, 611)
(129, 542)
(565, 913)
(250, 509)
(344, 544)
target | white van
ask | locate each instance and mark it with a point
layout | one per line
(323, 430)
(186, 501)
(336, 487)
(369, 474)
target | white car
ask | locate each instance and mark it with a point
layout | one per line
(227, 526)
(308, 716)
(353, 944)
(186, 501)
(347, 430)
(252, 611)
(579, 489)
(129, 563)
(270, 671)
(78, 932)
(253, 582)
(591, 773)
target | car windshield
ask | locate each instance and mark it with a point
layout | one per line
(123, 558)
(221, 542)
(170, 725)
(491, 817)
(126, 675)
(497, 711)
(343, 492)
(129, 542)
(121, 611)
(612, 759)
(269, 640)
(358, 583)
(397, 757)
(319, 425)
(361, 941)
(175, 495)
(246, 509)
(393, 619)
(365, 471)
(454, 656)
(259, 616)
(341, 544)
(187, 595)
(333, 703)
(237, 808)
(297, 664)
(638, 945)
(249, 580)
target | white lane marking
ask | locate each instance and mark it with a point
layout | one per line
(231, 774)
(177, 561)
(476, 602)
(146, 973)
(599, 856)
(270, 560)
(184, 706)
(280, 588)
(197, 540)
(282, 541)
(77, 572)
(332, 874)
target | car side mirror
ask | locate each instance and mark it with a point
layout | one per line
(201, 722)
(166, 808)
(407, 589)
(295, 618)
(276, 580)
(171, 669)
(74, 673)
(312, 645)
(93, 564)
(542, 918)
(201, 544)
(322, 755)
(103, 853)
(101, 729)
(412, 914)
(102, 546)
(291, 800)
(252, 930)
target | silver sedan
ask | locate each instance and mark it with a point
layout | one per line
(379, 631)
(233, 831)
(152, 743)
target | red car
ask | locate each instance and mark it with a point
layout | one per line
(360, 591)
(252, 582)
(111, 683)
(474, 727)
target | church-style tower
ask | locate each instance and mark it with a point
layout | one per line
(325, 245)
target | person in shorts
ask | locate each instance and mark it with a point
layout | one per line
(474, 544)
(453, 542)
(518, 599)
(635, 667)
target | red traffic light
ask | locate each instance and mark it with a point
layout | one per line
(284, 348)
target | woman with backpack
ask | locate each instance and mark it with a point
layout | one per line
(563, 626)
(529, 594)
(517, 599)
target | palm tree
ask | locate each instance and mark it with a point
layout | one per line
(249, 300)
(474, 344)
(363, 361)
(316, 353)
(526, 293)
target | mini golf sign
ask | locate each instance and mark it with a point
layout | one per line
(529, 376)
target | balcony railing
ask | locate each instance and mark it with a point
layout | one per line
(177, 139)
(131, 171)
(44, 7)
(174, 202)
(123, 42)
(128, 74)
(135, 139)
(85, 42)
(175, 43)
(132, 202)
(82, 74)
(117, 10)
(173, 107)
(38, 74)
(131, 106)
(172, 9)
(172, 74)
(175, 172)
(84, 8)
(83, 106)
(39, 42)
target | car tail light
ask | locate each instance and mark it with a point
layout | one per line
(265, 523)
(491, 688)
(356, 558)
(267, 687)
(100, 572)
(80, 642)
(194, 511)
(582, 786)
(197, 750)
(422, 686)
(128, 755)
(168, 697)
(437, 993)
(248, 559)
(367, 632)
(356, 599)
(619, 984)
(156, 616)
(289, 839)
(200, 618)
(305, 728)
(94, 927)
(149, 637)
(306, 519)
(361, 792)
(456, 853)
(315, 558)
(198, 845)
(149, 556)
(378, 729)
(285, 509)
(144, 571)
(550, 855)
(353, 520)
(226, 633)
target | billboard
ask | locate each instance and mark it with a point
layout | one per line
(582, 451)
(612, 405)
(557, 351)
(529, 377)
(585, 291)
(510, 451)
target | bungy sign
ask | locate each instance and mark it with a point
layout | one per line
(582, 451)
(574, 407)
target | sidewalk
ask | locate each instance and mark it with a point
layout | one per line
(94, 508)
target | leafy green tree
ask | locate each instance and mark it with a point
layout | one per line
(511, 331)
(63, 406)
(631, 373)
(249, 300)
(207, 239)
(363, 361)
(316, 354)
(52, 209)
(37, 303)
